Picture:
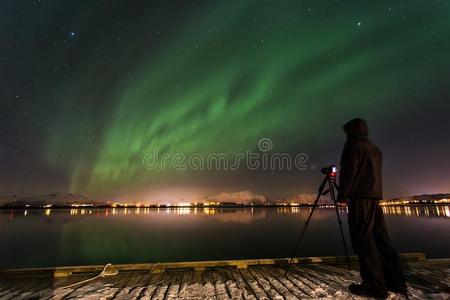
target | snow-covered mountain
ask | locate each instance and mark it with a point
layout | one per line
(61, 199)
(243, 197)
(425, 198)
(305, 199)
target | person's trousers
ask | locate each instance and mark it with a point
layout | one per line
(379, 262)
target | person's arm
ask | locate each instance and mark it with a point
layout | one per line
(349, 166)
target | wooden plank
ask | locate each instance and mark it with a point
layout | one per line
(186, 282)
(231, 285)
(151, 286)
(258, 290)
(192, 286)
(425, 277)
(107, 285)
(56, 291)
(9, 286)
(163, 286)
(133, 287)
(60, 282)
(17, 287)
(268, 288)
(340, 271)
(263, 282)
(299, 281)
(420, 282)
(341, 278)
(208, 285)
(174, 287)
(310, 287)
(277, 282)
(328, 275)
(6, 285)
(246, 290)
(323, 286)
(139, 288)
(195, 290)
(220, 287)
(338, 286)
(435, 271)
(287, 283)
(45, 287)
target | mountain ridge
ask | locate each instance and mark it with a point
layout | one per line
(245, 197)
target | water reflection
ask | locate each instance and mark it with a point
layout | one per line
(418, 211)
(243, 215)
(84, 235)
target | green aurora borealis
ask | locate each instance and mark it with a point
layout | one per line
(211, 76)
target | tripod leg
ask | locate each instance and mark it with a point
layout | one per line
(306, 225)
(332, 184)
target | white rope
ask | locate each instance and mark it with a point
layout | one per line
(102, 274)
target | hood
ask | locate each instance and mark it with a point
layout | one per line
(355, 128)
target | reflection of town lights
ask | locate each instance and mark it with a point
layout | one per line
(408, 211)
(47, 212)
(447, 211)
(183, 210)
(209, 211)
(25, 212)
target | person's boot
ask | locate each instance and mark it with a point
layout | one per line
(403, 290)
(364, 290)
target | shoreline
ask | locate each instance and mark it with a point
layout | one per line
(201, 206)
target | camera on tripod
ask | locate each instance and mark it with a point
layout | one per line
(330, 182)
(330, 171)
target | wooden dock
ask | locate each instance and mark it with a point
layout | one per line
(317, 277)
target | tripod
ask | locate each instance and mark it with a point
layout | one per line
(330, 179)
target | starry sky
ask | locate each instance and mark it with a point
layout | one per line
(87, 88)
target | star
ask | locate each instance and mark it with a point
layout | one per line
(359, 23)
(72, 33)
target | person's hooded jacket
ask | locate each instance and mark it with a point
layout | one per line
(360, 173)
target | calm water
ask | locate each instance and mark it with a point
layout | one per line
(37, 238)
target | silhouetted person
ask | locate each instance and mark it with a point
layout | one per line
(360, 185)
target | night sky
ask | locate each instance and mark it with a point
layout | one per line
(87, 88)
